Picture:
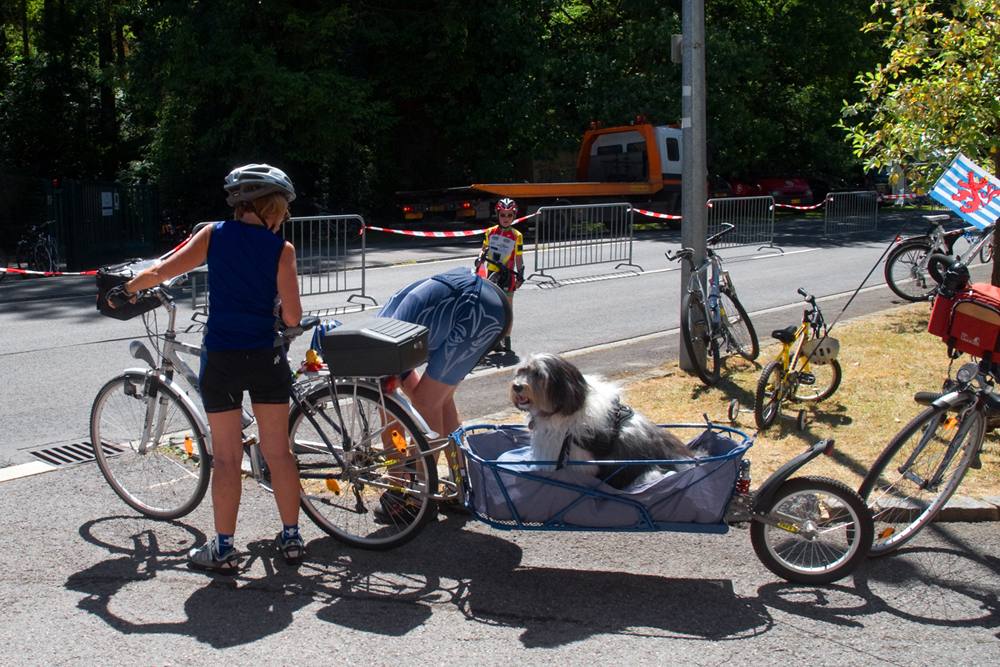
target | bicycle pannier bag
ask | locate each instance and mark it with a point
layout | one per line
(970, 322)
(112, 276)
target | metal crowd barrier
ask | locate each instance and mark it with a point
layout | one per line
(330, 257)
(850, 213)
(580, 235)
(752, 216)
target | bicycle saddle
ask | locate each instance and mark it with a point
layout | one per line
(786, 335)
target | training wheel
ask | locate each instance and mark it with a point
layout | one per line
(734, 409)
(800, 420)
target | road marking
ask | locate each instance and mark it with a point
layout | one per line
(24, 470)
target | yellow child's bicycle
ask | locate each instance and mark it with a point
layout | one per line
(806, 369)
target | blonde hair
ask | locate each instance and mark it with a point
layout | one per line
(264, 207)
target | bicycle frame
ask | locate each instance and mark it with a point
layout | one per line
(939, 243)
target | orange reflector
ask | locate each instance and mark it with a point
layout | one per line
(886, 533)
(399, 441)
(333, 486)
(188, 445)
(950, 423)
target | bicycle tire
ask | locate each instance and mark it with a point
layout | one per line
(21, 256)
(698, 341)
(986, 252)
(900, 507)
(903, 273)
(827, 379)
(165, 481)
(767, 398)
(833, 531)
(341, 499)
(41, 258)
(735, 319)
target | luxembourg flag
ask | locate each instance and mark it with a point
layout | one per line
(969, 191)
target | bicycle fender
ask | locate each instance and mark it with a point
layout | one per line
(762, 497)
(952, 400)
(139, 375)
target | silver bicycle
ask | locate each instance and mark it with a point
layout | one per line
(354, 440)
(907, 270)
(713, 321)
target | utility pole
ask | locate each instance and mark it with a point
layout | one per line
(694, 169)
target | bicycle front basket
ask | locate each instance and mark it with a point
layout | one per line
(119, 274)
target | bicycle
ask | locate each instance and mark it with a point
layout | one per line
(712, 316)
(806, 369)
(353, 438)
(907, 270)
(36, 251)
(923, 465)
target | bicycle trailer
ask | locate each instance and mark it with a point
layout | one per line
(508, 490)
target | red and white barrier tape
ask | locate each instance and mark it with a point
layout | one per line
(26, 272)
(804, 208)
(441, 235)
(900, 196)
(663, 216)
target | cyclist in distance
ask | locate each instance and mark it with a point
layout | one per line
(253, 293)
(505, 243)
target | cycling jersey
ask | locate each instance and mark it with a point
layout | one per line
(503, 246)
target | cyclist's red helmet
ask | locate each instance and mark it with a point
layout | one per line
(507, 204)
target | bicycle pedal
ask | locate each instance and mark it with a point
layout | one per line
(807, 378)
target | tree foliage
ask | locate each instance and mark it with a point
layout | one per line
(358, 100)
(937, 93)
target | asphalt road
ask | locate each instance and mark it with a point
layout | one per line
(87, 582)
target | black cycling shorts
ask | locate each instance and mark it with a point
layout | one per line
(226, 374)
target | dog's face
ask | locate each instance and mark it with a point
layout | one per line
(547, 384)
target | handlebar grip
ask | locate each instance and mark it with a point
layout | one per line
(803, 293)
(948, 273)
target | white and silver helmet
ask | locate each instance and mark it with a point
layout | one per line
(251, 181)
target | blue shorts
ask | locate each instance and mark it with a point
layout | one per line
(464, 316)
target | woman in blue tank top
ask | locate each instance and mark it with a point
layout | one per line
(253, 289)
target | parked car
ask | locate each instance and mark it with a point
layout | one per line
(789, 190)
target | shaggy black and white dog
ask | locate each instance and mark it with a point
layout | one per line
(575, 417)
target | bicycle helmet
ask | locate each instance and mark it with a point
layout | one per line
(821, 351)
(507, 204)
(251, 181)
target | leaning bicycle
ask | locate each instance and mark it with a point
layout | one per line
(36, 251)
(923, 465)
(806, 369)
(713, 321)
(907, 270)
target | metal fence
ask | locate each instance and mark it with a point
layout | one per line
(330, 257)
(850, 213)
(752, 216)
(581, 235)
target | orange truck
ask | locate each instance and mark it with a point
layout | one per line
(638, 163)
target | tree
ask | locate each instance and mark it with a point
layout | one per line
(937, 94)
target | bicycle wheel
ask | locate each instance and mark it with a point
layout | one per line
(986, 252)
(824, 531)
(21, 256)
(906, 273)
(701, 346)
(739, 328)
(899, 487)
(343, 491)
(163, 476)
(818, 382)
(41, 258)
(767, 398)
